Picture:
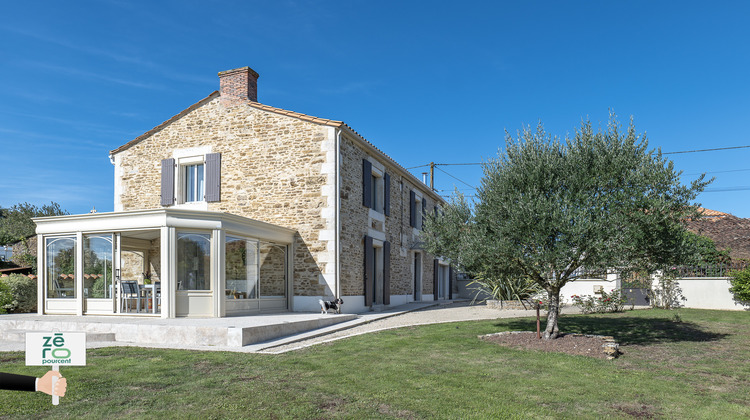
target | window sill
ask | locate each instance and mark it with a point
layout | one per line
(193, 205)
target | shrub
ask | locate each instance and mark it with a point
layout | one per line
(740, 284)
(519, 289)
(613, 301)
(27, 259)
(666, 293)
(6, 297)
(542, 299)
(23, 292)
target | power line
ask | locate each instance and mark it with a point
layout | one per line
(460, 180)
(719, 172)
(664, 153)
(728, 189)
(707, 150)
(454, 164)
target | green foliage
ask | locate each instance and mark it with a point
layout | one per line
(608, 302)
(27, 260)
(23, 291)
(517, 288)
(97, 289)
(547, 207)
(6, 297)
(702, 250)
(740, 285)
(64, 261)
(16, 223)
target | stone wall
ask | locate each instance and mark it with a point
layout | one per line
(281, 170)
(358, 221)
(273, 169)
(271, 271)
(27, 246)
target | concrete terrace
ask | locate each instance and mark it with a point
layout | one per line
(243, 334)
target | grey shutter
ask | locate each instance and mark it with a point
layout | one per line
(412, 209)
(369, 268)
(167, 182)
(424, 211)
(387, 273)
(435, 267)
(387, 194)
(450, 282)
(366, 183)
(213, 177)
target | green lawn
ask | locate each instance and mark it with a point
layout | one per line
(693, 366)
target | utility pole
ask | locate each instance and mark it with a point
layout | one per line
(432, 176)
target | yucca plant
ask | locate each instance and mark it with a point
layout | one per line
(513, 288)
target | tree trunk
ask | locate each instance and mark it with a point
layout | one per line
(551, 332)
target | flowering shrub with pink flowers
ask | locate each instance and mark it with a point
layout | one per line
(613, 301)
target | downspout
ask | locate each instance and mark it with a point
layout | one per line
(337, 201)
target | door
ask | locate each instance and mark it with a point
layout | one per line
(417, 276)
(443, 281)
(98, 273)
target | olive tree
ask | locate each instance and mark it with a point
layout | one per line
(547, 208)
(16, 224)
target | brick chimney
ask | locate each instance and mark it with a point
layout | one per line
(237, 86)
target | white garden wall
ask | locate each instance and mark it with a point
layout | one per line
(588, 287)
(708, 293)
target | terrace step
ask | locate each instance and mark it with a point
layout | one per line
(20, 336)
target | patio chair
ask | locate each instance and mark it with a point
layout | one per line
(157, 294)
(129, 291)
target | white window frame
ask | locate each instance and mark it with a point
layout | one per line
(184, 158)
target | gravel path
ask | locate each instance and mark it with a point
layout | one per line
(446, 312)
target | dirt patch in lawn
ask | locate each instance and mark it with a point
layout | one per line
(575, 344)
(639, 411)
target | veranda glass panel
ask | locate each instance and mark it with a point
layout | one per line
(272, 270)
(193, 261)
(60, 267)
(97, 266)
(241, 268)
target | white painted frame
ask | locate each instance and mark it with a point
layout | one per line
(167, 221)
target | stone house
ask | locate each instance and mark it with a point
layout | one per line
(233, 207)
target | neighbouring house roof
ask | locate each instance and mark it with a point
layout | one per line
(727, 232)
(257, 105)
(711, 213)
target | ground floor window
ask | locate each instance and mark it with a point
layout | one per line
(272, 259)
(60, 267)
(97, 266)
(193, 261)
(241, 267)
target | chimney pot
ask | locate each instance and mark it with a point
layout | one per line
(237, 86)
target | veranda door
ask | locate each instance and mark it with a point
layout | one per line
(99, 258)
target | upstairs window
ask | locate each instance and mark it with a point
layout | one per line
(192, 179)
(376, 188)
(417, 207)
(376, 198)
(195, 185)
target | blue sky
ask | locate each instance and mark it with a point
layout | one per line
(423, 81)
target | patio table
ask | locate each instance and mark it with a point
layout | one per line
(148, 289)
